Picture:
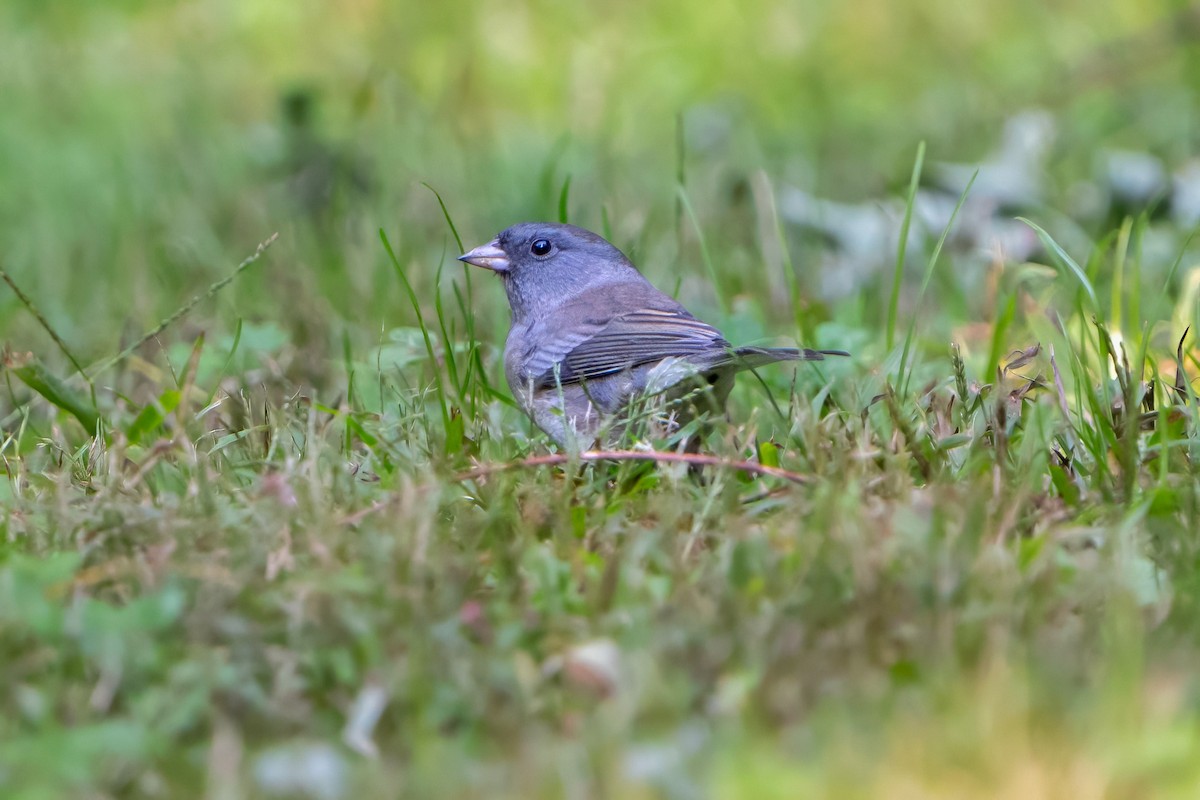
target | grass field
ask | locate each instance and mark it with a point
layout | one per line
(296, 542)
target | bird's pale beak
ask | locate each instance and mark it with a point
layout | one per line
(488, 256)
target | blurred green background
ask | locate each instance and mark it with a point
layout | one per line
(145, 148)
(212, 579)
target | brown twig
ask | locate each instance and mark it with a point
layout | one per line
(694, 459)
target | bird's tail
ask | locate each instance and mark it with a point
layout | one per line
(750, 357)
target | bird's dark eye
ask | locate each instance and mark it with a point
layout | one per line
(540, 247)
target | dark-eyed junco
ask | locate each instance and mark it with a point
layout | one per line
(590, 334)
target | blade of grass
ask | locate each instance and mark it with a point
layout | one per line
(1064, 260)
(1003, 321)
(1117, 300)
(34, 375)
(237, 340)
(564, 200)
(466, 306)
(446, 214)
(1135, 278)
(447, 340)
(182, 311)
(902, 246)
(474, 372)
(704, 253)
(152, 415)
(416, 307)
(546, 178)
(348, 366)
(680, 175)
(933, 259)
(45, 323)
(767, 194)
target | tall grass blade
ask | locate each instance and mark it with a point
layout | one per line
(27, 301)
(929, 267)
(902, 247)
(182, 311)
(564, 198)
(416, 307)
(1064, 260)
(713, 277)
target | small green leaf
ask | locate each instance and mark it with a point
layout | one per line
(768, 454)
(152, 415)
(368, 438)
(455, 432)
(35, 376)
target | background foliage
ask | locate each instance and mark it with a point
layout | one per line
(250, 557)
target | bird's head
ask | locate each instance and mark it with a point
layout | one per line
(544, 263)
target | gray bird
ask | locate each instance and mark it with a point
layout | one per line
(590, 335)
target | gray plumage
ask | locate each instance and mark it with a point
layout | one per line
(590, 334)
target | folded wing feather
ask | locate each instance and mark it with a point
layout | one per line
(597, 334)
(636, 338)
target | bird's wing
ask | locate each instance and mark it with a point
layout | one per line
(640, 337)
(609, 334)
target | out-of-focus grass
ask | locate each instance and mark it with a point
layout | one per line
(144, 146)
(263, 572)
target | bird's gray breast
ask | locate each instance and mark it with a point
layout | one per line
(534, 347)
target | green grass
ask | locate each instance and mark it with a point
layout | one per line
(293, 538)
